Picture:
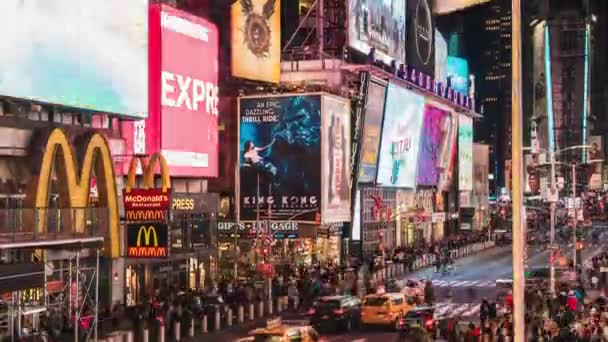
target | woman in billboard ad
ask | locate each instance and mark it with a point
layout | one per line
(432, 131)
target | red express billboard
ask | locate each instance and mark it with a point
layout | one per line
(183, 94)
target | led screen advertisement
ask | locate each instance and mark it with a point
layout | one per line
(83, 54)
(400, 143)
(465, 153)
(432, 135)
(336, 150)
(183, 120)
(379, 25)
(372, 128)
(420, 53)
(256, 39)
(458, 74)
(280, 157)
(539, 131)
(447, 147)
(441, 58)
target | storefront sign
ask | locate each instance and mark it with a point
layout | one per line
(139, 199)
(194, 203)
(147, 240)
(147, 203)
(438, 217)
(76, 182)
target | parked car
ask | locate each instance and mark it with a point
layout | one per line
(336, 313)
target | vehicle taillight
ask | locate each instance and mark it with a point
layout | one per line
(339, 311)
(428, 322)
(312, 311)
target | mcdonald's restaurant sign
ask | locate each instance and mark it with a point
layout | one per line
(147, 203)
(147, 240)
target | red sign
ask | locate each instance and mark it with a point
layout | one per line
(142, 199)
(183, 113)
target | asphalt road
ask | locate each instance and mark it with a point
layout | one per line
(458, 292)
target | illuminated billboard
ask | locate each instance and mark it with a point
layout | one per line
(82, 54)
(379, 25)
(448, 6)
(465, 153)
(372, 127)
(184, 95)
(280, 157)
(336, 148)
(441, 58)
(256, 39)
(458, 74)
(420, 53)
(400, 143)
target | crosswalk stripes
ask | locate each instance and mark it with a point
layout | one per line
(454, 310)
(463, 283)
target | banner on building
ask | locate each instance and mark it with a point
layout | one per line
(256, 39)
(400, 143)
(183, 121)
(539, 131)
(420, 54)
(336, 150)
(433, 132)
(531, 173)
(80, 54)
(378, 25)
(441, 58)
(280, 157)
(465, 153)
(372, 129)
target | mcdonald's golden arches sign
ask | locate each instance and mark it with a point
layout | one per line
(147, 240)
(147, 203)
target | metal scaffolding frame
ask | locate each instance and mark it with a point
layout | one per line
(75, 295)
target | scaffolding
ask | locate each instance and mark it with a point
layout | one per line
(70, 293)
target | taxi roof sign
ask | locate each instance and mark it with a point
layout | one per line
(274, 322)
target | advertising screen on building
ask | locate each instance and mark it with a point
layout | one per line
(447, 148)
(448, 6)
(256, 39)
(147, 240)
(541, 130)
(379, 25)
(400, 143)
(441, 58)
(465, 153)
(183, 120)
(372, 128)
(420, 37)
(280, 157)
(458, 74)
(481, 167)
(432, 135)
(336, 159)
(82, 54)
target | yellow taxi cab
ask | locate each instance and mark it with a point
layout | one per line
(276, 331)
(384, 309)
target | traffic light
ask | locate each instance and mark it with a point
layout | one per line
(580, 245)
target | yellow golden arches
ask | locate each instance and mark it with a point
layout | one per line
(148, 170)
(97, 155)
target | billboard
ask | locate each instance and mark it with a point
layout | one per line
(539, 131)
(378, 25)
(280, 157)
(82, 54)
(448, 6)
(447, 147)
(400, 141)
(458, 74)
(372, 128)
(183, 119)
(465, 153)
(256, 39)
(481, 167)
(532, 185)
(421, 33)
(432, 135)
(336, 150)
(441, 58)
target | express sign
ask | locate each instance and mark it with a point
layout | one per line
(147, 240)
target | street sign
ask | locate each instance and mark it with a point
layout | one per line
(553, 247)
(552, 195)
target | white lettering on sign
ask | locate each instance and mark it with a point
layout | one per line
(191, 92)
(184, 26)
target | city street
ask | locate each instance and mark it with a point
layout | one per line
(474, 275)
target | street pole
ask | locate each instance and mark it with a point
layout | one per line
(575, 216)
(516, 152)
(553, 189)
